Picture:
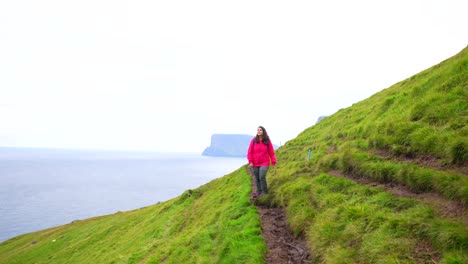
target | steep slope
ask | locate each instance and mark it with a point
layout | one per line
(213, 224)
(411, 137)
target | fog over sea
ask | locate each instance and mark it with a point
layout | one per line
(43, 188)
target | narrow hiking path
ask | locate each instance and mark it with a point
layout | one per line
(283, 246)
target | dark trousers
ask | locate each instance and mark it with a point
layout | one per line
(260, 178)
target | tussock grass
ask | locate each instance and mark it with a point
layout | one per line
(349, 223)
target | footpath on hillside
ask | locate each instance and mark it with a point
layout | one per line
(283, 246)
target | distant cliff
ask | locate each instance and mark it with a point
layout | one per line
(228, 145)
(320, 118)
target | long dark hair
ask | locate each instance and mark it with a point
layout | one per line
(265, 137)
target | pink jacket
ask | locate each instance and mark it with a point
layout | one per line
(260, 154)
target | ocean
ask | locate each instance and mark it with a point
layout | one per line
(43, 188)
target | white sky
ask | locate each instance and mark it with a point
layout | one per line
(166, 75)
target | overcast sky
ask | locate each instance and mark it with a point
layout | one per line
(166, 75)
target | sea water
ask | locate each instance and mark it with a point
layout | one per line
(42, 188)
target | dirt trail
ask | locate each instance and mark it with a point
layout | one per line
(427, 161)
(446, 207)
(283, 246)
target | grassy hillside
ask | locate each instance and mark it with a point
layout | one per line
(213, 224)
(412, 136)
(386, 183)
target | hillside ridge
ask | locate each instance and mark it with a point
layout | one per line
(397, 157)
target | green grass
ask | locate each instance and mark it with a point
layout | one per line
(212, 224)
(387, 138)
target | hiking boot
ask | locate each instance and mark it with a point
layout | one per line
(257, 194)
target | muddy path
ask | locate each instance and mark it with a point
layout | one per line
(283, 246)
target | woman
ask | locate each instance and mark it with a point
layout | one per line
(260, 155)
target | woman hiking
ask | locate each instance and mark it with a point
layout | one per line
(260, 155)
